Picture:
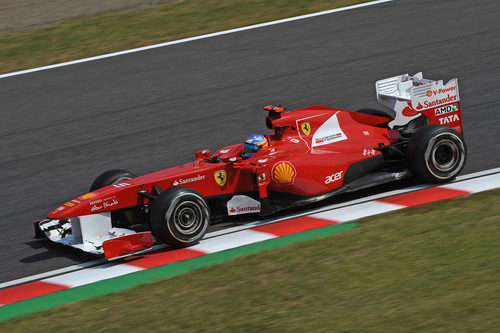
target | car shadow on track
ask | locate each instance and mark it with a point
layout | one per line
(54, 250)
(232, 221)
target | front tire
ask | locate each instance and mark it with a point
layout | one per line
(111, 177)
(436, 153)
(179, 217)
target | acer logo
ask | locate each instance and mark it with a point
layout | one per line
(334, 177)
(448, 119)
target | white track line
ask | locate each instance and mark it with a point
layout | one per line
(60, 271)
(231, 241)
(361, 210)
(190, 39)
(93, 274)
(477, 174)
(462, 180)
(475, 185)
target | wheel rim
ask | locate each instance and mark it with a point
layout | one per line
(187, 217)
(445, 155)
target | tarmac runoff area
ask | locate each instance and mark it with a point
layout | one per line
(21, 297)
(92, 104)
(149, 110)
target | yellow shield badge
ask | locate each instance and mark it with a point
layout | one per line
(306, 128)
(220, 177)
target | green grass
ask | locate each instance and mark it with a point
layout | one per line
(124, 29)
(429, 268)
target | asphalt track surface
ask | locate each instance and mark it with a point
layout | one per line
(151, 110)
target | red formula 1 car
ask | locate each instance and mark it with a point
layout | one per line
(314, 153)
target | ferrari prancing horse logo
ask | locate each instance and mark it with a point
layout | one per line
(306, 128)
(220, 177)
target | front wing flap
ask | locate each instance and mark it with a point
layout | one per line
(94, 234)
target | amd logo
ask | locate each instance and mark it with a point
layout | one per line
(446, 109)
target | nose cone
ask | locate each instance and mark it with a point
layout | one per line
(76, 207)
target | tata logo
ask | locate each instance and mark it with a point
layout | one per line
(448, 119)
(306, 128)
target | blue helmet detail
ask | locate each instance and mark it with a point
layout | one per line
(252, 144)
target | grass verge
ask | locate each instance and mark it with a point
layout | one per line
(124, 29)
(432, 268)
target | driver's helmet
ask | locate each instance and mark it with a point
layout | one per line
(252, 144)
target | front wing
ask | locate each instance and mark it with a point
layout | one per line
(94, 234)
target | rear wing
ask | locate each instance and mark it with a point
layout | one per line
(413, 97)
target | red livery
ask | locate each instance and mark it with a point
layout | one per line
(313, 153)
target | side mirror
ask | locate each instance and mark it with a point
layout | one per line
(202, 154)
(237, 162)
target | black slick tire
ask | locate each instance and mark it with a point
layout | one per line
(179, 217)
(111, 177)
(436, 153)
(379, 113)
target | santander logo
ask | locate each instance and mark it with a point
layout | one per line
(242, 204)
(188, 180)
(247, 209)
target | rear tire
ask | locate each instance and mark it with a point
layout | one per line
(436, 153)
(179, 217)
(111, 177)
(379, 113)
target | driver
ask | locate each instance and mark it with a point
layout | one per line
(252, 145)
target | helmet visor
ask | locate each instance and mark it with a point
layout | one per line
(249, 149)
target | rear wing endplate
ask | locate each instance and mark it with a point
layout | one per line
(413, 96)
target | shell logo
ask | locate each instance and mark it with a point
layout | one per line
(284, 173)
(429, 93)
(88, 195)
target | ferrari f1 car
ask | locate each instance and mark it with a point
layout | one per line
(313, 153)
